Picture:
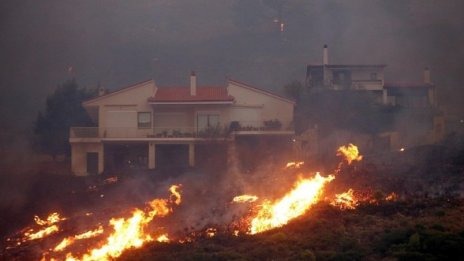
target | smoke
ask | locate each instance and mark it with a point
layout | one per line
(118, 43)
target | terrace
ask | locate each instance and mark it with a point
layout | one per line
(271, 127)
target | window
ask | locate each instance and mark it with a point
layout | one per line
(144, 120)
(205, 121)
(373, 76)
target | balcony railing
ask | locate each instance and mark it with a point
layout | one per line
(182, 131)
(84, 132)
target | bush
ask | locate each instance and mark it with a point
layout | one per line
(273, 124)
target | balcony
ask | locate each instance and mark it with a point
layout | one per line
(273, 127)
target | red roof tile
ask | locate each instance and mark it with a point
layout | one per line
(182, 94)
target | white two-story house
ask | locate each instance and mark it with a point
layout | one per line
(142, 124)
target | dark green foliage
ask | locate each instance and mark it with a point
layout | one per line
(273, 124)
(345, 110)
(294, 90)
(63, 110)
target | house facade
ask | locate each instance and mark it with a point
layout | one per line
(416, 116)
(143, 125)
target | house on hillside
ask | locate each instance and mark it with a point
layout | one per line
(395, 115)
(144, 126)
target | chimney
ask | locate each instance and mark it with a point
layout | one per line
(325, 55)
(193, 84)
(427, 76)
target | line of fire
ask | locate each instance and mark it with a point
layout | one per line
(236, 172)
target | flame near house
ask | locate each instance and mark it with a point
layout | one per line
(295, 203)
(305, 193)
(111, 239)
(121, 233)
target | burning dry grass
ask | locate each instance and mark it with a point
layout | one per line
(108, 241)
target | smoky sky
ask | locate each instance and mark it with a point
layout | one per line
(117, 43)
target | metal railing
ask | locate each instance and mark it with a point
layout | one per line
(180, 131)
(83, 132)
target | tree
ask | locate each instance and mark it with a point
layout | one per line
(63, 110)
(294, 90)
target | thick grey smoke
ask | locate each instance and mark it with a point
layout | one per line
(120, 42)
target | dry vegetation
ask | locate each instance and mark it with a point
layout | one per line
(404, 230)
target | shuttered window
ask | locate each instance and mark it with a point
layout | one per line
(144, 120)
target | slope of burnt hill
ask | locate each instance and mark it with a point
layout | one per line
(403, 230)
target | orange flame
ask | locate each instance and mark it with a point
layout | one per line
(70, 240)
(294, 164)
(211, 232)
(130, 233)
(51, 219)
(392, 197)
(345, 200)
(163, 238)
(350, 152)
(175, 193)
(41, 233)
(51, 228)
(295, 203)
(244, 198)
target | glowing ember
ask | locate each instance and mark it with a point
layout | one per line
(294, 164)
(244, 198)
(295, 203)
(163, 238)
(391, 197)
(402, 149)
(350, 152)
(211, 232)
(345, 200)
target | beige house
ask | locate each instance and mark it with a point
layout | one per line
(141, 124)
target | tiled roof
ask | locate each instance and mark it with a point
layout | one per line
(262, 91)
(182, 94)
(407, 85)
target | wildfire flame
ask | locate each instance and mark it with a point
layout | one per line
(135, 230)
(70, 240)
(126, 233)
(244, 198)
(350, 153)
(211, 232)
(50, 228)
(345, 200)
(163, 238)
(295, 203)
(391, 197)
(41, 233)
(174, 189)
(51, 219)
(294, 164)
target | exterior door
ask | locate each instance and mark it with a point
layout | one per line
(92, 163)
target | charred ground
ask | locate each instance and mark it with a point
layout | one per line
(425, 223)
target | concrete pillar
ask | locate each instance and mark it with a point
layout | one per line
(101, 158)
(191, 155)
(384, 96)
(151, 155)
